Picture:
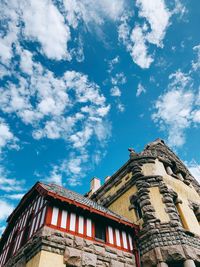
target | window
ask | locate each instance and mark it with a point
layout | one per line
(100, 231)
(168, 170)
(138, 210)
(174, 167)
(136, 206)
(196, 210)
(27, 230)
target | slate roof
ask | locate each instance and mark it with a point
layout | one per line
(63, 192)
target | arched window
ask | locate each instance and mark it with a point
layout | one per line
(136, 206)
(27, 229)
(196, 210)
(138, 210)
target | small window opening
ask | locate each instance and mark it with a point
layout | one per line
(100, 231)
(138, 210)
(174, 168)
(168, 170)
(197, 214)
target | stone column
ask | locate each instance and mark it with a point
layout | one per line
(189, 263)
(162, 264)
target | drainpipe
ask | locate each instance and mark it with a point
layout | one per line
(136, 249)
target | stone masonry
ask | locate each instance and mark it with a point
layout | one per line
(76, 251)
(160, 243)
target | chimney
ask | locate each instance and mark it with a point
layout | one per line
(95, 184)
(107, 178)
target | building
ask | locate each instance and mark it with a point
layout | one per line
(155, 190)
(55, 227)
(146, 214)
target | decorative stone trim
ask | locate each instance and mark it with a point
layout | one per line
(76, 251)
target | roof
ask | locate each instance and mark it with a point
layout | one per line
(76, 198)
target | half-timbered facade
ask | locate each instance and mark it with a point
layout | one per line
(146, 214)
(70, 219)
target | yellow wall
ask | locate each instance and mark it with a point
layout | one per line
(185, 193)
(159, 206)
(34, 262)
(121, 205)
(116, 187)
(45, 258)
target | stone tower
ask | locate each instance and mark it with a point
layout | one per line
(155, 190)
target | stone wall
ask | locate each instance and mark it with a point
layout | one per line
(75, 251)
(163, 237)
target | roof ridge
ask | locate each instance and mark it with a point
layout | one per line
(88, 202)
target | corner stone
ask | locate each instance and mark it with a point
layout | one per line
(72, 257)
(89, 259)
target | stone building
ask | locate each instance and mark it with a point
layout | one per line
(155, 190)
(55, 227)
(146, 214)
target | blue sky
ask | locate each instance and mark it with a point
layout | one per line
(82, 81)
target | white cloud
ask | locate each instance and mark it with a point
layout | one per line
(176, 110)
(3, 71)
(5, 209)
(124, 28)
(55, 176)
(179, 9)
(26, 62)
(138, 48)
(135, 42)
(6, 136)
(196, 116)
(92, 11)
(156, 13)
(194, 168)
(11, 30)
(115, 91)
(112, 63)
(196, 63)
(81, 138)
(44, 23)
(140, 90)
(69, 107)
(119, 78)
(14, 196)
(74, 168)
(52, 114)
(9, 184)
(152, 31)
(120, 107)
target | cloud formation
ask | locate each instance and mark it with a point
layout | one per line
(5, 209)
(140, 90)
(177, 109)
(151, 30)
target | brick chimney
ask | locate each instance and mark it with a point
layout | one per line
(95, 184)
